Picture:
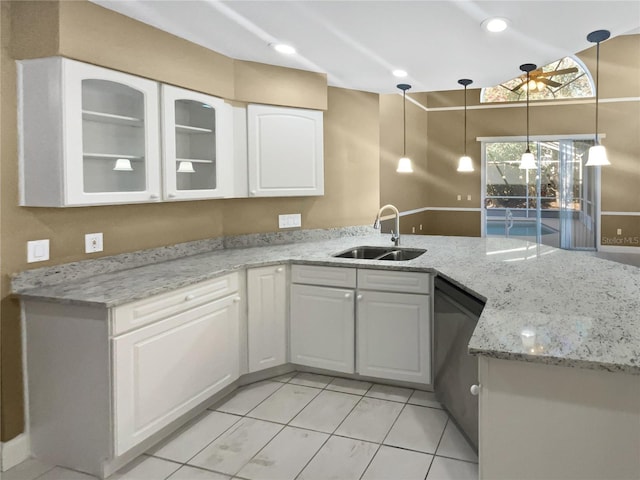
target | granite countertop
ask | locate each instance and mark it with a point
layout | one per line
(583, 311)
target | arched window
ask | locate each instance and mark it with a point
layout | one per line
(565, 78)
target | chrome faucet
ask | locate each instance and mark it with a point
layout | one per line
(395, 236)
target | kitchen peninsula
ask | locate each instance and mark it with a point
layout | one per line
(558, 339)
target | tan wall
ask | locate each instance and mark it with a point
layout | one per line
(87, 33)
(619, 78)
(405, 191)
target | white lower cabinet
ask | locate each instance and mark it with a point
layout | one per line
(267, 317)
(103, 380)
(165, 369)
(388, 333)
(394, 336)
(322, 327)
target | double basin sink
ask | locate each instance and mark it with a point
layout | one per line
(394, 254)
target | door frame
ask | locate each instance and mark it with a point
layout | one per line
(536, 138)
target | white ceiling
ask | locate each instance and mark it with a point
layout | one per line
(358, 42)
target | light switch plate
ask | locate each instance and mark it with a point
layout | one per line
(292, 220)
(37, 250)
(93, 242)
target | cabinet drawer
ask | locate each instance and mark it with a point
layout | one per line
(136, 314)
(328, 276)
(394, 281)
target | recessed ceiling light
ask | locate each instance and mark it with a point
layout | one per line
(496, 24)
(399, 73)
(283, 48)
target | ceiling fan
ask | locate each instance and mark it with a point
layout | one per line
(538, 79)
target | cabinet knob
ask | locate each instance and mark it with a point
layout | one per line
(253, 192)
(236, 299)
(475, 389)
(347, 295)
(172, 195)
(189, 297)
(359, 297)
(279, 269)
(153, 196)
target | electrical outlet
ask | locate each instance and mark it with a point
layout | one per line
(459, 197)
(292, 220)
(413, 229)
(619, 232)
(468, 197)
(420, 227)
(37, 250)
(93, 242)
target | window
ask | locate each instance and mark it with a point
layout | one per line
(571, 81)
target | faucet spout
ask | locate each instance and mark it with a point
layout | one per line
(395, 236)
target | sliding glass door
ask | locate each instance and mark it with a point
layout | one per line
(555, 204)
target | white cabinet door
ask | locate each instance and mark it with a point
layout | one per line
(88, 135)
(267, 313)
(394, 336)
(165, 369)
(322, 327)
(197, 140)
(285, 148)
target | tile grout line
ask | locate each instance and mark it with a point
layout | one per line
(438, 446)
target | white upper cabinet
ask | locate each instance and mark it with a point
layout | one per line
(88, 135)
(197, 145)
(285, 150)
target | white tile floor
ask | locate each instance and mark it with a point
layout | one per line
(304, 427)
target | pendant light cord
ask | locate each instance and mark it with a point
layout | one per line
(465, 120)
(597, 87)
(404, 123)
(528, 87)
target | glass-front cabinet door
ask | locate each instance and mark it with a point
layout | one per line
(88, 135)
(117, 158)
(197, 140)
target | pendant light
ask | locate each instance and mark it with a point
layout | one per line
(528, 161)
(465, 164)
(404, 164)
(597, 153)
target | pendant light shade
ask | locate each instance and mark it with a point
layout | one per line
(597, 153)
(404, 164)
(528, 160)
(465, 164)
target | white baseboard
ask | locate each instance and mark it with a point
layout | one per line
(15, 451)
(618, 249)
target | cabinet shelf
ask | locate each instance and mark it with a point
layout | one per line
(112, 156)
(190, 129)
(194, 160)
(112, 118)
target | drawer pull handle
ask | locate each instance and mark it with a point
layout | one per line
(475, 389)
(347, 295)
(189, 297)
(359, 297)
(236, 299)
(279, 269)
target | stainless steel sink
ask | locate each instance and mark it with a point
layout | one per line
(399, 255)
(394, 254)
(368, 253)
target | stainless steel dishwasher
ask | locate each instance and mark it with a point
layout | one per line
(456, 314)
